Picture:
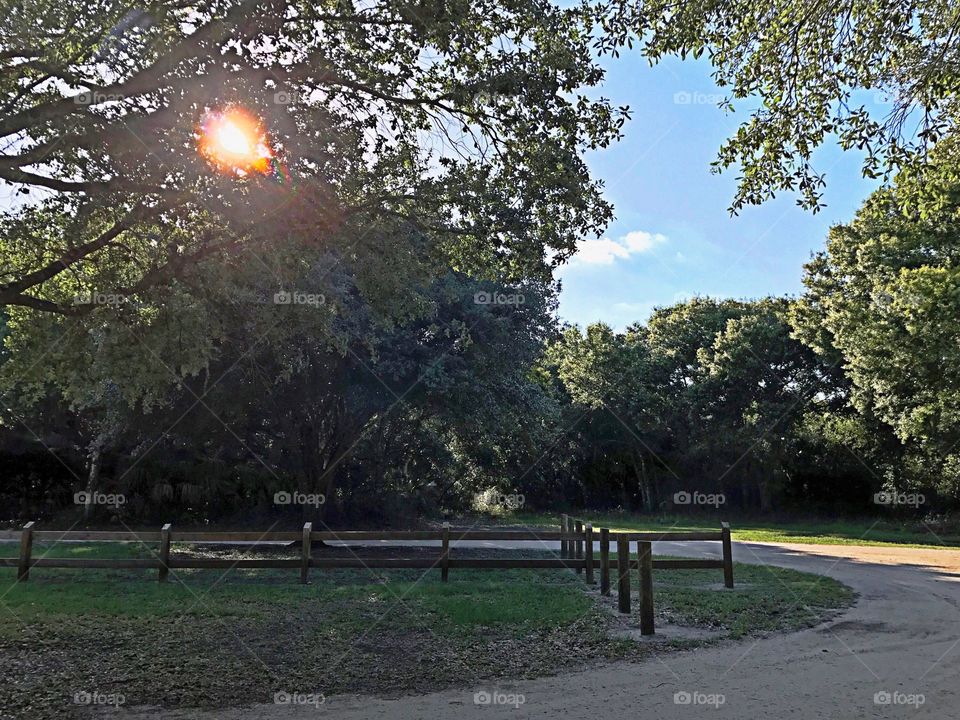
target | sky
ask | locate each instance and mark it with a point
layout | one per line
(673, 237)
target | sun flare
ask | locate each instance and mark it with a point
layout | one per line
(235, 141)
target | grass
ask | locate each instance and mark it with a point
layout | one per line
(816, 532)
(235, 639)
(769, 599)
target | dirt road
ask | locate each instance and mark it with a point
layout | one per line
(896, 654)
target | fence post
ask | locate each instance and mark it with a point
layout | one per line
(445, 554)
(26, 548)
(305, 550)
(588, 554)
(563, 541)
(578, 544)
(727, 555)
(645, 564)
(164, 553)
(604, 561)
(623, 570)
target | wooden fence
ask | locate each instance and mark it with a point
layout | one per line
(580, 548)
(576, 540)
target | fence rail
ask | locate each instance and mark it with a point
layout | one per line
(576, 537)
(254, 537)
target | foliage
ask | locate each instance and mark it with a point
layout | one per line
(367, 313)
(806, 72)
(884, 296)
(419, 155)
(708, 397)
(463, 123)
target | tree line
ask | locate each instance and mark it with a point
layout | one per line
(370, 319)
(842, 400)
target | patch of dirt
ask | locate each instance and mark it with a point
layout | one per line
(669, 633)
(859, 627)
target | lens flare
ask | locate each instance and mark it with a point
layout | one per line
(235, 141)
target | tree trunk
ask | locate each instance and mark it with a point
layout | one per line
(766, 501)
(765, 489)
(93, 478)
(647, 499)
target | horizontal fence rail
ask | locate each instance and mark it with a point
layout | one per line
(316, 535)
(576, 538)
(673, 536)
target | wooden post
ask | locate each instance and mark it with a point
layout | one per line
(164, 553)
(604, 561)
(588, 555)
(26, 548)
(645, 563)
(305, 552)
(564, 528)
(727, 555)
(578, 544)
(445, 554)
(623, 570)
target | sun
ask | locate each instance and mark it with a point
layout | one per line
(235, 141)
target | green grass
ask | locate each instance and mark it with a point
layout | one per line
(769, 599)
(470, 600)
(816, 532)
(501, 600)
(218, 639)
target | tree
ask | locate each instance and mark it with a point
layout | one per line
(809, 64)
(404, 140)
(677, 334)
(757, 384)
(609, 378)
(464, 121)
(710, 395)
(885, 297)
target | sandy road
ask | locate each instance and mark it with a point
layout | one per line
(901, 640)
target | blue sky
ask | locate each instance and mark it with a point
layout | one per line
(673, 237)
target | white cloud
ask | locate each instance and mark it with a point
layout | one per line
(605, 251)
(600, 252)
(639, 241)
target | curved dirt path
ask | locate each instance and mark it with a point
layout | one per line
(900, 642)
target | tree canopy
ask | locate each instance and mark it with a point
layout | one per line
(805, 70)
(885, 298)
(462, 122)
